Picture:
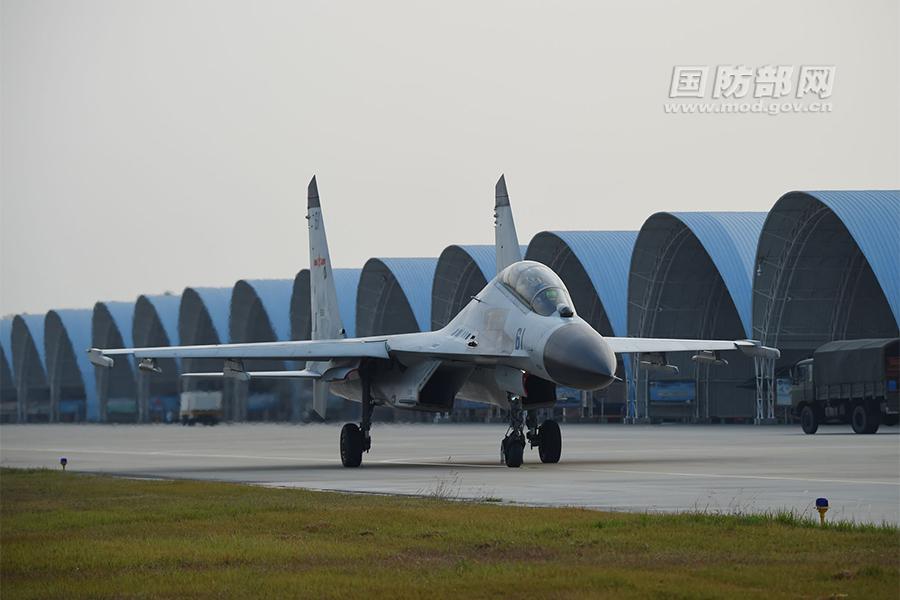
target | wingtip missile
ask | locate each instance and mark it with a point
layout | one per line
(312, 194)
(500, 195)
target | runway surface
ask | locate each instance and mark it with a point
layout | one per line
(614, 467)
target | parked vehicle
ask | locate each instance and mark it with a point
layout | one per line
(201, 407)
(848, 381)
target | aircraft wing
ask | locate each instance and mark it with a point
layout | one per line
(623, 345)
(315, 350)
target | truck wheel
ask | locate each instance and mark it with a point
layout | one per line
(808, 420)
(890, 420)
(864, 420)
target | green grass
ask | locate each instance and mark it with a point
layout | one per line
(65, 535)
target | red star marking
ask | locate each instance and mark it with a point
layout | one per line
(319, 262)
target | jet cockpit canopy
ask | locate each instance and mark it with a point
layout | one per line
(537, 286)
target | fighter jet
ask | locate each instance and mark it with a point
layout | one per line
(510, 346)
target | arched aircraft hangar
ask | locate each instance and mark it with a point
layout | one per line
(73, 385)
(203, 319)
(394, 296)
(111, 327)
(691, 277)
(594, 266)
(826, 268)
(155, 323)
(29, 368)
(260, 312)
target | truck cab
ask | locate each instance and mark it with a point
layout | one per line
(803, 389)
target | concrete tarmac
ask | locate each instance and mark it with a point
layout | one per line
(734, 469)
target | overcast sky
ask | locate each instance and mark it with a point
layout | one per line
(147, 146)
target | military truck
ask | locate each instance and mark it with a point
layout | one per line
(848, 381)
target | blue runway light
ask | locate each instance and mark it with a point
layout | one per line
(63, 462)
(822, 507)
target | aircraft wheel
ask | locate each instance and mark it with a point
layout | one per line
(808, 420)
(550, 448)
(513, 451)
(865, 420)
(351, 445)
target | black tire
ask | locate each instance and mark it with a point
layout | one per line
(192, 422)
(864, 420)
(889, 420)
(513, 452)
(551, 442)
(351, 445)
(809, 422)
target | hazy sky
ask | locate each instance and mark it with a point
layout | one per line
(147, 146)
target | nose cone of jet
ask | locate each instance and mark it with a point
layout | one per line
(577, 356)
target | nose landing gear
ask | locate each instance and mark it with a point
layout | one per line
(546, 438)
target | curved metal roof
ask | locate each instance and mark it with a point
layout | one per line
(729, 239)
(122, 316)
(346, 283)
(605, 257)
(873, 219)
(414, 276)
(274, 297)
(485, 256)
(28, 361)
(33, 326)
(76, 326)
(215, 302)
(163, 308)
(461, 272)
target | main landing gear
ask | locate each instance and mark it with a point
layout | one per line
(546, 438)
(355, 439)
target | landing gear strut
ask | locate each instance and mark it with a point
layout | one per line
(355, 439)
(546, 438)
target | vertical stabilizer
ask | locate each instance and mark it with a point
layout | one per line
(506, 240)
(326, 317)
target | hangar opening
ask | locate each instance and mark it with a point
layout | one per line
(461, 272)
(594, 266)
(73, 392)
(29, 369)
(111, 326)
(156, 324)
(203, 319)
(394, 296)
(690, 277)
(260, 312)
(827, 269)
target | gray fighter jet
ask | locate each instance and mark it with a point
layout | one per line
(510, 346)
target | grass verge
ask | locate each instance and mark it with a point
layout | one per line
(65, 535)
